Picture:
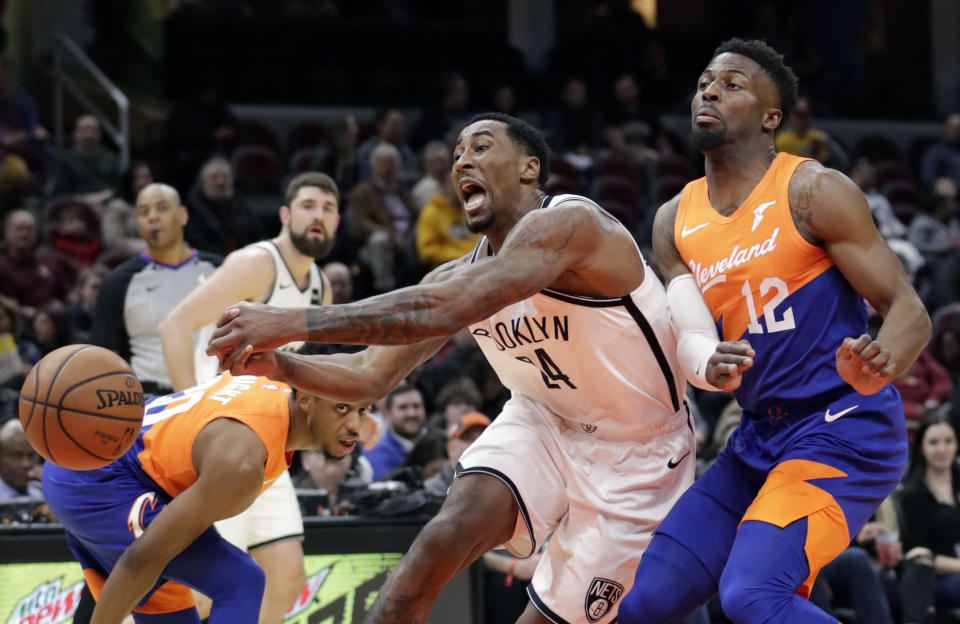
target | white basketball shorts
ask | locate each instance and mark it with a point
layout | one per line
(273, 516)
(601, 500)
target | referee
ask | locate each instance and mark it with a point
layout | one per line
(137, 294)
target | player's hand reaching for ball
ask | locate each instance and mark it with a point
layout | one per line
(864, 364)
(247, 328)
(725, 367)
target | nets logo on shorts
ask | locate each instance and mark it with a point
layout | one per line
(603, 594)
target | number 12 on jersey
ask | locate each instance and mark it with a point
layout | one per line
(769, 308)
(548, 370)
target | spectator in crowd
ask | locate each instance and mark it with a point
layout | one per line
(19, 464)
(119, 226)
(442, 233)
(322, 473)
(931, 506)
(802, 139)
(88, 168)
(889, 225)
(340, 280)
(75, 231)
(457, 398)
(84, 300)
(436, 173)
(427, 457)
(404, 416)
(460, 435)
(219, 221)
(21, 134)
(436, 122)
(380, 215)
(52, 327)
(390, 127)
(573, 127)
(945, 347)
(11, 324)
(627, 112)
(937, 230)
(945, 281)
(942, 159)
(31, 278)
(138, 294)
(340, 159)
(924, 386)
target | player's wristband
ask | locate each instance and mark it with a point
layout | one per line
(513, 566)
(693, 325)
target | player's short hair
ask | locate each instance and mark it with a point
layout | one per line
(772, 63)
(526, 137)
(311, 178)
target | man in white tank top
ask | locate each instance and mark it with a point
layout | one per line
(281, 272)
(595, 444)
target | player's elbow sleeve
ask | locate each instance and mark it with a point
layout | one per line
(693, 325)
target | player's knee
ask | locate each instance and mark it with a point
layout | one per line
(752, 603)
(248, 578)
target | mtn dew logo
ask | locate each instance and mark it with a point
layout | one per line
(309, 592)
(48, 603)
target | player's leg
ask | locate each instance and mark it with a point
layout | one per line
(832, 477)
(480, 513)
(282, 563)
(618, 494)
(681, 568)
(802, 518)
(271, 530)
(531, 615)
(220, 570)
(507, 491)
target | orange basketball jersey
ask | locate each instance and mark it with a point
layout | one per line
(171, 424)
(764, 282)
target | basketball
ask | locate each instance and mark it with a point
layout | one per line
(81, 406)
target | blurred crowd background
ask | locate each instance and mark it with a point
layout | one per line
(227, 100)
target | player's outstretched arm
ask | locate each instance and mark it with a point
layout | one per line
(707, 362)
(229, 459)
(829, 210)
(244, 274)
(542, 245)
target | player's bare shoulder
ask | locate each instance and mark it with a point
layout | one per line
(816, 195)
(578, 208)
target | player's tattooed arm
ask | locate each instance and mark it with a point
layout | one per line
(542, 246)
(803, 193)
(665, 242)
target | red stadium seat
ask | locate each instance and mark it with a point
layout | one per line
(902, 192)
(308, 134)
(253, 132)
(257, 167)
(616, 189)
(302, 159)
(611, 166)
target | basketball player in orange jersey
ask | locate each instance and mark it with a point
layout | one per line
(784, 252)
(141, 526)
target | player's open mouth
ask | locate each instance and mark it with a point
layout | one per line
(473, 195)
(317, 230)
(348, 445)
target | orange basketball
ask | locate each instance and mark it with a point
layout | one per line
(81, 406)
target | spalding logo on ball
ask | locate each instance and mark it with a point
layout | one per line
(81, 407)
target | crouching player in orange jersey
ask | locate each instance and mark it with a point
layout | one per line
(141, 526)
